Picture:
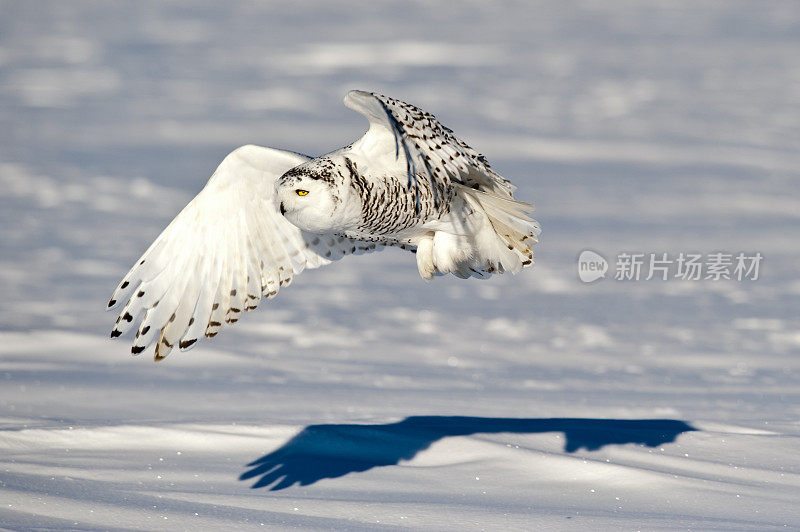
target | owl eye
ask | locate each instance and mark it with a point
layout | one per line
(301, 192)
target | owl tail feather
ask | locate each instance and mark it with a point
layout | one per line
(505, 243)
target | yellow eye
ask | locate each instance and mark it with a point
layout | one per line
(301, 192)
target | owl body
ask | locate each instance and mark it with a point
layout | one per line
(443, 221)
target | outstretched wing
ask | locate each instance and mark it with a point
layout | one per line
(227, 248)
(401, 131)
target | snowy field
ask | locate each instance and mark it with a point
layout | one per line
(363, 397)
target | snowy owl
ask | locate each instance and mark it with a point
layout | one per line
(267, 214)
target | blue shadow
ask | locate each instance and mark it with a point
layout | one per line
(331, 451)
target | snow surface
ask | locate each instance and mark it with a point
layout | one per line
(362, 396)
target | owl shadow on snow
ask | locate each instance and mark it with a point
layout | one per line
(331, 451)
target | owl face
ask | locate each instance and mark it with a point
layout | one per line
(311, 196)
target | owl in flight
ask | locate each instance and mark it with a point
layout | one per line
(267, 214)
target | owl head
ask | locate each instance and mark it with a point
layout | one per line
(315, 198)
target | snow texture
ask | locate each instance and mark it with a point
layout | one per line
(362, 396)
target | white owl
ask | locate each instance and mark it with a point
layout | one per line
(267, 214)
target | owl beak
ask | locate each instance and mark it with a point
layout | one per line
(283, 209)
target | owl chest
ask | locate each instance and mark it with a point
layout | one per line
(393, 205)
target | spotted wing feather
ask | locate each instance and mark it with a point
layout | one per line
(227, 249)
(428, 148)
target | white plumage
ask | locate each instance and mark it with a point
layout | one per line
(267, 214)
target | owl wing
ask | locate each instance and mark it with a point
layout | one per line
(429, 148)
(402, 134)
(224, 251)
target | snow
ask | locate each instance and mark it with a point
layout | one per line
(362, 396)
